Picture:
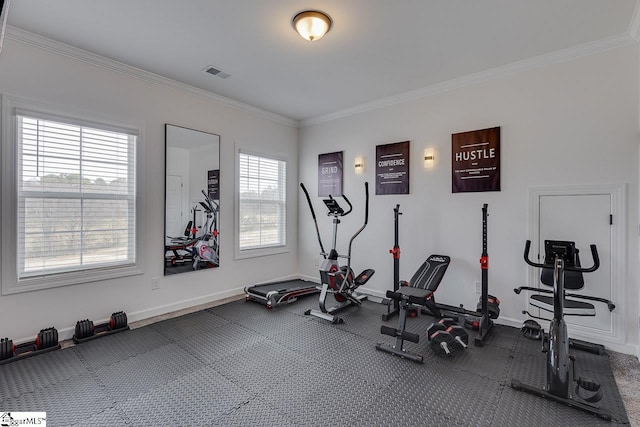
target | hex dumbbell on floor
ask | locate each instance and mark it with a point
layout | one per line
(444, 344)
(449, 325)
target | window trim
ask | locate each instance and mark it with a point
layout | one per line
(11, 107)
(263, 251)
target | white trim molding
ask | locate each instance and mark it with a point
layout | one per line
(59, 48)
(618, 194)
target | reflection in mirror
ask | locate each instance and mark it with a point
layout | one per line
(192, 200)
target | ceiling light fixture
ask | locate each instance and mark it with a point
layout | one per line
(312, 25)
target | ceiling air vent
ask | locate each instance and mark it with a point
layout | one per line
(216, 72)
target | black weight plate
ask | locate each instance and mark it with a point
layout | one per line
(6, 349)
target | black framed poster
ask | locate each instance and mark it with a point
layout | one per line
(475, 161)
(213, 184)
(392, 168)
(330, 174)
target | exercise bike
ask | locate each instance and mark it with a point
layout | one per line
(562, 261)
(335, 279)
(206, 251)
(199, 250)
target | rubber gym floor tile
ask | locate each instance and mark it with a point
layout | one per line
(135, 375)
(267, 322)
(66, 403)
(358, 354)
(220, 342)
(36, 372)
(328, 397)
(204, 397)
(531, 369)
(489, 362)
(468, 398)
(260, 368)
(189, 325)
(522, 409)
(107, 418)
(360, 320)
(241, 364)
(255, 413)
(238, 310)
(400, 411)
(114, 348)
(500, 336)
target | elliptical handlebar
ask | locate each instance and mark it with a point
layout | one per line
(366, 218)
(315, 221)
(213, 206)
(594, 255)
(350, 206)
(366, 203)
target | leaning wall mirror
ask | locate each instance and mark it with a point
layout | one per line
(192, 200)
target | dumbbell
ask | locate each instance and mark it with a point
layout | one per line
(46, 338)
(84, 329)
(444, 344)
(457, 332)
(7, 348)
(441, 324)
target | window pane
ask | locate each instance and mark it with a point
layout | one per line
(76, 197)
(262, 202)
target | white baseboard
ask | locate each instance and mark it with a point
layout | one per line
(313, 279)
(67, 333)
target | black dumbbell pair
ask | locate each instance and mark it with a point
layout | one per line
(447, 338)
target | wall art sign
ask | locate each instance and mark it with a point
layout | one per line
(475, 161)
(392, 168)
(213, 184)
(330, 174)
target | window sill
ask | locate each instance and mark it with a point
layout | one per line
(66, 279)
(254, 253)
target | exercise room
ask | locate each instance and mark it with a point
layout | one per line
(320, 213)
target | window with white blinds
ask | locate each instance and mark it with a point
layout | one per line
(76, 197)
(262, 202)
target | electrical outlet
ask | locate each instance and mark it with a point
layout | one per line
(155, 283)
(478, 287)
(316, 261)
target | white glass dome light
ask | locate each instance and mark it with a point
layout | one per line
(312, 25)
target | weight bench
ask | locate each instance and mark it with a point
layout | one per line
(419, 291)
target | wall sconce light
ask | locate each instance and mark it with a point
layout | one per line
(428, 158)
(312, 25)
(359, 165)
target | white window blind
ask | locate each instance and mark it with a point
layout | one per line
(262, 202)
(76, 197)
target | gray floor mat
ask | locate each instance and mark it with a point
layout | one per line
(241, 364)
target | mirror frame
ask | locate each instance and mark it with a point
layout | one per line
(198, 247)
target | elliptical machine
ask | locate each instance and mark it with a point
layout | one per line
(561, 257)
(335, 279)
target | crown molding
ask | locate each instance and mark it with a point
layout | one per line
(63, 49)
(633, 36)
(556, 57)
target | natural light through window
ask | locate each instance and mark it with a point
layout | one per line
(262, 201)
(76, 197)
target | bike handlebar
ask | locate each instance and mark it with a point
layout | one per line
(594, 255)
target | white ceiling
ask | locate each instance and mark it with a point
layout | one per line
(376, 50)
